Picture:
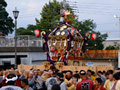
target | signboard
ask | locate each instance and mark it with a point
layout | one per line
(90, 63)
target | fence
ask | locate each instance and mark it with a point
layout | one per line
(101, 54)
(22, 41)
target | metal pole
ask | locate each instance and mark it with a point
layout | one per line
(119, 46)
(15, 43)
(115, 58)
(64, 4)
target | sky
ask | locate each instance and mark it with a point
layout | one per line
(101, 11)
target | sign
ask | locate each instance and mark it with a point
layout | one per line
(90, 63)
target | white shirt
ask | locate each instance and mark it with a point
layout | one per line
(10, 87)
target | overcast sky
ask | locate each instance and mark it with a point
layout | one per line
(101, 11)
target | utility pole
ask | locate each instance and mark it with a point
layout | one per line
(64, 5)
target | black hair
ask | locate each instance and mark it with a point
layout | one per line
(55, 72)
(82, 72)
(100, 72)
(92, 73)
(56, 87)
(11, 75)
(110, 71)
(76, 76)
(25, 81)
(104, 71)
(38, 69)
(52, 67)
(70, 72)
(60, 76)
(99, 80)
(64, 71)
(106, 74)
(89, 71)
(76, 71)
(46, 70)
(116, 76)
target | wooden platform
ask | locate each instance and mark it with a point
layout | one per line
(72, 68)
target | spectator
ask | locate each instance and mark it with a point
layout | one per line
(51, 81)
(110, 71)
(39, 72)
(116, 85)
(31, 81)
(75, 79)
(89, 73)
(10, 80)
(68, 80)
(93, 76)
(85, 84)
(107, 75)
(25, 85)
(1, 78)
(61, 81)
(103, 78)
(98, 83)
(109, 83)
(56, 87)
(104, 72)
(38, 81)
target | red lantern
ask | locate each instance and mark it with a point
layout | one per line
(72, 31)
(37, 32)
(62, 12)
(93, 36)
(53, 49)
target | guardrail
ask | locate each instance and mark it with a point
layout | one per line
(22, 41)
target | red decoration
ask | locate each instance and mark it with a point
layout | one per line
(93, 36)
(78, 49)
(53, 49)
(72, 31)
(37, 32)
(62, 12)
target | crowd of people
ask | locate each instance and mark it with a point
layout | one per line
(54, 79)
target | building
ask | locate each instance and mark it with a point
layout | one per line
(29, 50)
(110, 42)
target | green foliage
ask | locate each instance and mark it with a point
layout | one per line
(97, 44)
(86, 26)
(89, 26)
(6, 22)
(51, 15)
(26, 31)
(112, 48)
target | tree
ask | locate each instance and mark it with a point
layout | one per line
(51, 15)
(97, 44)
(112, 48)
(6, 22)
(89, 26)
(26, 31)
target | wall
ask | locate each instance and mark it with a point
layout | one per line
(32, 58)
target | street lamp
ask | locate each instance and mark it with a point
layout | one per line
(119, 40)
(115, 44)
(15, 14)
